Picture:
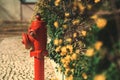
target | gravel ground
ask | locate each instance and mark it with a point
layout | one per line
(15, 62)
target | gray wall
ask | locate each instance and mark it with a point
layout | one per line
(13, 10)
(27, 11)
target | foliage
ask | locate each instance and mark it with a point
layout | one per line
(73, 29)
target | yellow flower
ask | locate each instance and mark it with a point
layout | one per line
(69, 77)
(54, 79)
(67, 58)
(59, 69)
(90, 52)
(81, 7)
(60, 41)
(63, 53)
(66, 71)
(72, 70)
(74, 35)
(56, 42)
(77, 51)
(74, 56)
(66, 20)
(63, 49)
(96, 1)
(57, 2)
(98, 45)
(66, 64)
(83, 33)
(70, 47)
(94, 17)
(100, 77)
(75, 3)
(84, 75)
(63, 60)
(67, 14)
(73, 64)
(89, 6)
(76, 21)
(56, 24)
(57, 49)
(65, 26)
(69, 40)
(101, 22)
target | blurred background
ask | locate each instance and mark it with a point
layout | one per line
(15, 16)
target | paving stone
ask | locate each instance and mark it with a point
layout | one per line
(16, 63)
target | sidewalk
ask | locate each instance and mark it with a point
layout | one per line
(15, 62)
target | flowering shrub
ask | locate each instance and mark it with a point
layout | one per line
(72, 28)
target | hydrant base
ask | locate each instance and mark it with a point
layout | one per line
(39, 69)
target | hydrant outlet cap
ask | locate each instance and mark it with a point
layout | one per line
(25, 40)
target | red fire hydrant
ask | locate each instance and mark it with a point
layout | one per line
(37, 40)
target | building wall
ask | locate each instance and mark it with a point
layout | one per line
(13, 10)
(27, 11)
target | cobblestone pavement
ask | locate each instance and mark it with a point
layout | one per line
(15, 63)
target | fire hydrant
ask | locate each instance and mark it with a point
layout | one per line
(36, 38)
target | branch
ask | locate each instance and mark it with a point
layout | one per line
(108, 12)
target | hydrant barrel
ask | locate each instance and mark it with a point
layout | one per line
(37, 40)
(39, 69)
